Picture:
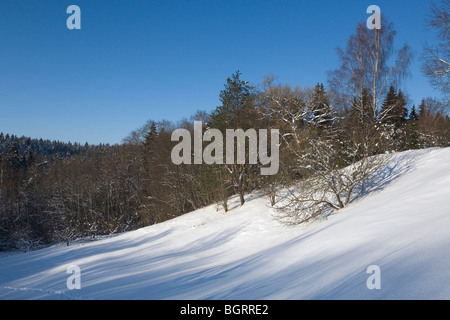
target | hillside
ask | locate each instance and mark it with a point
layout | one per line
(403, 228)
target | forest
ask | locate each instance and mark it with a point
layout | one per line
(52, 191)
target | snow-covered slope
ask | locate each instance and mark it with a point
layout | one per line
(403, 228)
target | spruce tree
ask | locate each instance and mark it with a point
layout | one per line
(400, 111)
(361, 109)
(238, 100)
(388, 105)
(150, 137)
(394, 109)
(422, 110)
(412, 136)
(321, 109)
(412, 132)
(149, 149)
(413, 114)
(14, 156)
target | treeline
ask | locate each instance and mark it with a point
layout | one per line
(53, 192)
(35, 180)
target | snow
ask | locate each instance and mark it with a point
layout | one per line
(402, 227)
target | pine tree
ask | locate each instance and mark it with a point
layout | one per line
(423, 111)
(361, 109)
(321, 109)
(149, 149)
(238, 100)
(400, 111)
(393, 110)
(412, 132)
(150, 137)
(413, 114)
(14, 157)
(388, 105)
(412, 137)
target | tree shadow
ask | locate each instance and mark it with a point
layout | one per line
(394, 168)
(299, 205)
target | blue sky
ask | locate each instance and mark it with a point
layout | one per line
(137, 60)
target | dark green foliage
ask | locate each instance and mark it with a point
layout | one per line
(423, 112)
(413, 114)
(412, 136)
(237, 103)
(393, 110)
(236, 112)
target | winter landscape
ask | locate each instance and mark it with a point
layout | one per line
(246, 254)
(205, 176)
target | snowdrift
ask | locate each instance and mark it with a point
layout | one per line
(402, 227)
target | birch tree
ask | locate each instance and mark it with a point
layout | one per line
(436, 58)
(369, 62)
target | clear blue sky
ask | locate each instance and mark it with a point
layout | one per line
(137, 60)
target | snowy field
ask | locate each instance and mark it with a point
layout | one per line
(403, 228)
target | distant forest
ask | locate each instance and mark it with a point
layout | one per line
(54, 191)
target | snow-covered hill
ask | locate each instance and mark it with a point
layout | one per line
(403, 229)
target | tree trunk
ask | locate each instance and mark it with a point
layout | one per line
(341, 204)
(241, 196)
(225, 204)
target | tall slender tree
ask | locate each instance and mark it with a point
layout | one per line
(366, 69)
(393, 110)
(413, 114)
(235, 112)
(322, 113)
(436, 58)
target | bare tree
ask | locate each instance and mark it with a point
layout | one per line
(334, 167)
(433, 124)
(329, 187)
(290, 110)
(301, 117)
(436, 59)
(365, 71)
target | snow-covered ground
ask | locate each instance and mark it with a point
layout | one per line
(403, 228)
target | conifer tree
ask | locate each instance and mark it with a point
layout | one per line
(388, 104)
(237, 100)
(400, 112)
(393, 109)
(413, 114)
(423, 110)
(412, 133)
(412, 136)
(150, 137)
(321, 109)
(361, 109)
(15, 160)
